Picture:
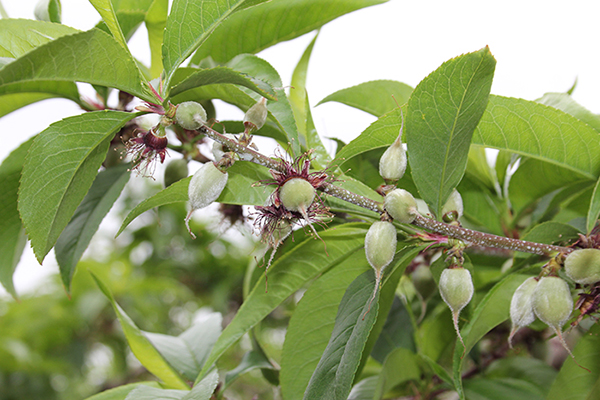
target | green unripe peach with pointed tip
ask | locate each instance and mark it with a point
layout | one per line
(401, 206)
(380, 245)
(583, 266)
(297, 194)
(456, 288)
(552, 301)
(190, 115)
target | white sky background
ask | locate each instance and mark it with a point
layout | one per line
(540, 46)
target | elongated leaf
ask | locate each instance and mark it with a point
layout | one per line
(190, 23)
(334, 374)
(397, 332)
(120, 392)
(400, 366)
(239, 190)
(106, 11)
(199, 77)
(12, 102)
(491, 311)
(256, 28)
(93, 57)
(565, 102)
(373, 97)
(156, 22)
(288, 274)
(443, 111)
(141, 347)
(594, 210)
(61, 165)
(12, 234)
(77, 235)
(19, 36)
(538, 131)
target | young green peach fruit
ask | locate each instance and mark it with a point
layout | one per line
(401, 206)
(392, 163)
(256, 116)
(205, 187)
(583, 266)
(380, 248)
(190, 115)
(456, 288)
(297, 194)
(175, 171)
(453, 209)
(521, 306)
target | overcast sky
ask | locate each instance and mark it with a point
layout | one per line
(539, 47)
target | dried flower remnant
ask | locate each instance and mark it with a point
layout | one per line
(146, 148)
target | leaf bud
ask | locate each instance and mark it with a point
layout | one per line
(453, 209)
(297, 194)
(392, 163)
(205, 187)
(583, 266)
(521, 306)
(175, 171)
(456, 289)
(256, 116)
(401, 206)
(190, 115)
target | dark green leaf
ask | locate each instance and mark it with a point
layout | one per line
(374, 97)
(12, 234)
(77, 235)
(532, 370)
(397, 332)
(141, 347)
(501, 389)
(443, 111)
(400, 366)
(120, 392)
(594, 211)
(60, 167)
(256, 28)
(93, 57)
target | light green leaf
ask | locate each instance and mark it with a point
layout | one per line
(373, 97)
(48, 10)
(141, 347)
(365, 389)
(564, 102)
(12, 234)
(93, 57)
(188, 351)
(400, 366)
(22, 94)
(106, 11)
(20, 36)
(538, 131)
(219, 75)
(252, 360)
(156, 22)
(61, 165)
(77, 235)
(288, 274)
(190, 23)
(121, 392)
(594, 211)
(443, 111)
(239, 190)
(256, 28)
(202, 391)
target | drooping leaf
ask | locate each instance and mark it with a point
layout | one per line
(443, 111)
(77, 235)
(373, 97)
(121, 392)
(19, 36)
(594, 211)
(538, 131)
(256, 28)
(48, 10)
(288, 274)
(93, 57)
(190, 23)
(107, 12)
(156, 22)
(60, 167)
(141, 347)
(195, 77)
(239, 190)
(12, 234)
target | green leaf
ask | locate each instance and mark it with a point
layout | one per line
(397, 332)
(20, 36)
(549, 233)
(106, 11)
(239, 190)
(564, 102)
(195, 77)
(189, 24)
(202, 391)
(188, 351)
(141, 347)
(254, 29)
(500, 389)
(77, 235)
(24, 93)
(538, 131)
(60, 167)
(288, 274)
(531, 370)
(373, 97)
(356, 316)
(491, 311)
(120, 392)
(93, 57)
(12, 234)
(48, 10)
(156, 22)
(594, 210)
(443, 111)
(306, 339)
(252, 360)
(365, 389)
(400, 366)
